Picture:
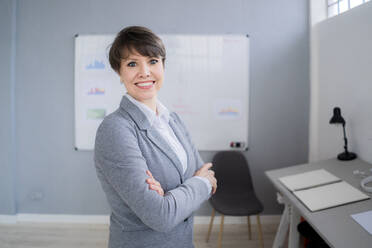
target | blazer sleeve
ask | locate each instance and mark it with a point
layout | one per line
(199, 160)
(119, 158)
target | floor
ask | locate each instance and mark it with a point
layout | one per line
(40, 235)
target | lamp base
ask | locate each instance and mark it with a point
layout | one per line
(346, 156)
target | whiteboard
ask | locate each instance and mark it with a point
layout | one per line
(206, 83)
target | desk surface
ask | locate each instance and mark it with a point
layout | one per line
(335, 225)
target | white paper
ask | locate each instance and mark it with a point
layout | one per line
(328, 196)
(365, 220)
(308, 179)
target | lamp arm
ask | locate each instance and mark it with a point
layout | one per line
(345, 139)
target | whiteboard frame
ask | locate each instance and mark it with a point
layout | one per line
(246, 102)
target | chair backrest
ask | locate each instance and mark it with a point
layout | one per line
(232, 172)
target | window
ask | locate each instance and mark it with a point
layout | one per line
(336, 7)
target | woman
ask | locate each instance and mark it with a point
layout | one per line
(151, 172)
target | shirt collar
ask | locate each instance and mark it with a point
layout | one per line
(150, 114)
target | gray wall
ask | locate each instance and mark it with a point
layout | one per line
(7, 193)
(344, 51)
(53, 178)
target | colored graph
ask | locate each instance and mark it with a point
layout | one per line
(96, 91)
(228, 112)
(96, 114)
(96, 65)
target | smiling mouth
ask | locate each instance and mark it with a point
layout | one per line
(145, 85)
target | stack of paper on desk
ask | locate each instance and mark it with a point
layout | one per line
(309, 179)
(320, 189)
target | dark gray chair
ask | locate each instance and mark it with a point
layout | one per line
(235, 195)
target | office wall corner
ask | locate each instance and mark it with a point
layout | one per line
(7, 94)
(318, 13)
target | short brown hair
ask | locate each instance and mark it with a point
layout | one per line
(135, 38)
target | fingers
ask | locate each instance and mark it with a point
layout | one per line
(157, 188)
(153, 184)
(214, 185)
(206, 166)
(152, 181)
(203, 170)
(211, 177)
(212, 180)
(149, 173)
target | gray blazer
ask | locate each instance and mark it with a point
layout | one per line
(126, 146)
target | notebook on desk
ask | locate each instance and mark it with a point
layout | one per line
(308, 180)
(319, 190)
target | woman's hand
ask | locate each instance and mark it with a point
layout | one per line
(153, 184)
(209, 174)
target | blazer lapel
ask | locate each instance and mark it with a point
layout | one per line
(159, 141)
(182, 139)
(142, 122)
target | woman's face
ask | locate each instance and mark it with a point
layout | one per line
(142, 76)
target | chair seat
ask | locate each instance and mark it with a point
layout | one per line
(237, 205)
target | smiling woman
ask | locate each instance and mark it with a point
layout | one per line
(143, 77)
(138, 56)
(150, 170)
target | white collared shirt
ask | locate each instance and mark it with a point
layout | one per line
(160, 121)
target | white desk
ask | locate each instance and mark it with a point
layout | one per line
(334, 225)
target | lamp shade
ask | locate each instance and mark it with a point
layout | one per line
(337, 118)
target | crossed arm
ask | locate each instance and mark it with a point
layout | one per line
(202, 172)
(121, 164)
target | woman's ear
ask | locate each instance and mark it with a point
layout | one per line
(120, 77)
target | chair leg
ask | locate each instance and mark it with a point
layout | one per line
(260, 231)
(211, 224)
(249, 228)
(221, 231)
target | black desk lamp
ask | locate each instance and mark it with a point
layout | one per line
(337, 119)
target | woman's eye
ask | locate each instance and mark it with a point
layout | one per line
(154, 61)
(132, 64)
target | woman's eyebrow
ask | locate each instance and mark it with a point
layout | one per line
(134, 59)
(130, 58)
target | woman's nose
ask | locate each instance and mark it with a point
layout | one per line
(144, 71)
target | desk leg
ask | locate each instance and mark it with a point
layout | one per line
(294, 235)
(282, 229)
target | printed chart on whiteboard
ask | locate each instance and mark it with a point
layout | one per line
(97, 87)
(206, 83)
